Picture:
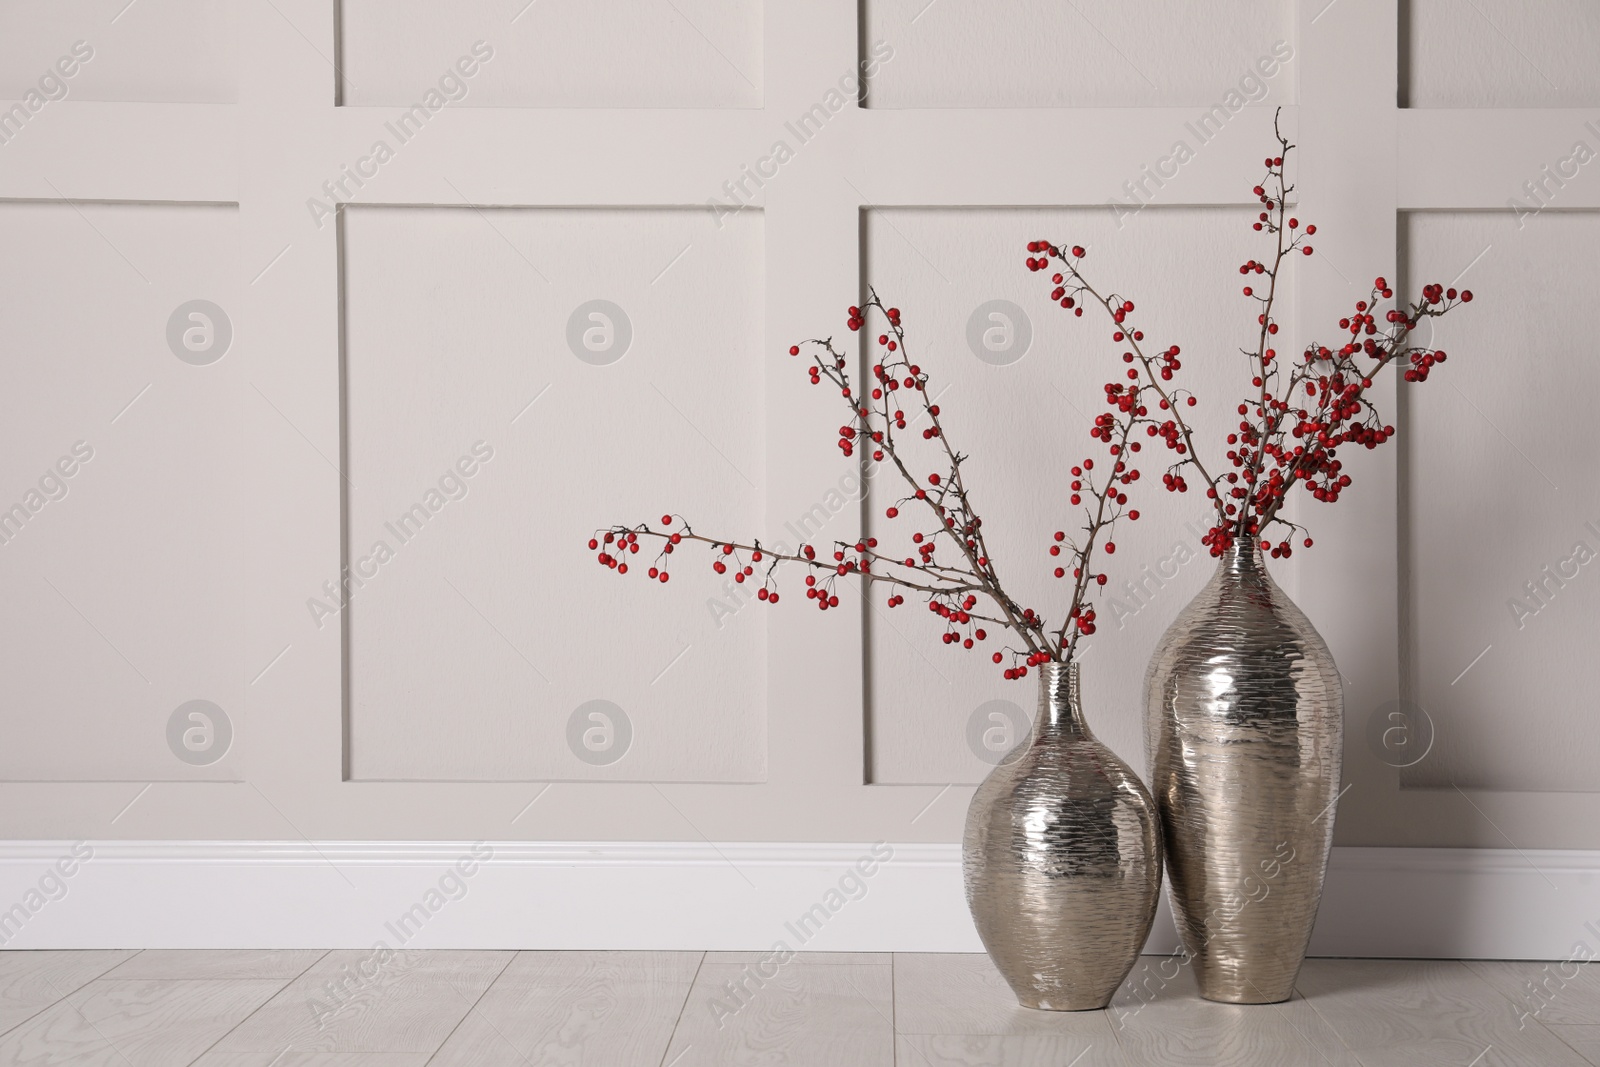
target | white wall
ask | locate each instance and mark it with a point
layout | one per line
(374, 347)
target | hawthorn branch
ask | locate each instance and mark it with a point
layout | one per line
(1152, 376)
(1069, 644)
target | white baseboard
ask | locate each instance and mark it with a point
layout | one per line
(1405, 902)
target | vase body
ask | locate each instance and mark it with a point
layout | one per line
(1062, 859)
(1244, 733)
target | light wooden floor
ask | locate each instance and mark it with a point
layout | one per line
(655, 1009)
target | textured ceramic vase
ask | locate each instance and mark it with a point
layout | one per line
(1244, 735)
(1062, 857)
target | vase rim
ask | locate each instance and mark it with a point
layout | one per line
(1055, 668)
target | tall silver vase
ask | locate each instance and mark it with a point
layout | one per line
(1244, 736)
(1062, 857)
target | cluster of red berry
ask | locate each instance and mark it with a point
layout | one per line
(625, 542)
(1293, 423)
(1128, 404)
(963, 590)
(1291, 426)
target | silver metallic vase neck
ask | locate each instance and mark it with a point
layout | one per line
(1244, 559)
(1060, 707)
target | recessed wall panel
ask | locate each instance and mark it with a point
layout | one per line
(517, 379)
(685, 54)
(1499, 53)
(1093, 53)
(1503, 537)
(172, 51)
(1019, 381)
(124, 509)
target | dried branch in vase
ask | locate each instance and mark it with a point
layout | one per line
(1292, 424)
(948, 565)
(1293, 421)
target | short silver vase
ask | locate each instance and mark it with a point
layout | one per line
(1062, 858)
(1244, 736)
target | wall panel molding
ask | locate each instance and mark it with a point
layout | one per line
(266, 424)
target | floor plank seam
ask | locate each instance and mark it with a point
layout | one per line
(510, 959)
(1334, 1030)
(888, 1021)
(687, 993)
(1466, 965)
(289, 982)
(1116, 1038)
(894, 1017)
(105, 1007)
(92, 978)
(1282, 1011)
